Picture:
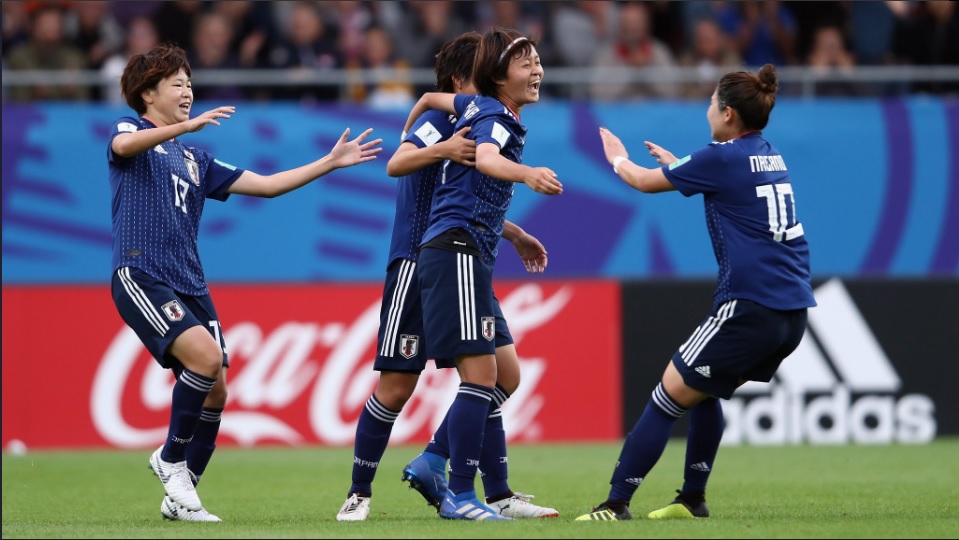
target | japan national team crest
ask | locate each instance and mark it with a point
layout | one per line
(409, 345)
(192, 167)
(489, 327)
(173, 311)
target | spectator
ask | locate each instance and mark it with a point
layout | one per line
(871, 30)
(830, 57)
(47, 49)
(929, 37)
(581, 29)
(764, 32)
(175, 21)
(352, 18)
(309, 46)
(392, 87)
(212, 36)
(712, 55)
(91, 27)
(426, 26)
(16, 24)
(141, 37)
(634, 47)
(252, 28)
(666, 20)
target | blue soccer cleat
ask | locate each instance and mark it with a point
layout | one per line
(428, 477)
(467, 506)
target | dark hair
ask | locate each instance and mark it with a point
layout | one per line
(752, 95)
(497, 47)
(145, 71)
(455, 61)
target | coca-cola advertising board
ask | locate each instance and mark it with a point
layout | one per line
(75, 376)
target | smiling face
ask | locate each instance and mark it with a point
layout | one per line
(169, 103)
(523, 79)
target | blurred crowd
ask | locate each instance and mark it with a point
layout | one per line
(710, 37)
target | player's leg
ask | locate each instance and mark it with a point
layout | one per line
(175, 337)
(401, 356)
(749, 343)
(494, 462)
(459, 321)
(201, 448)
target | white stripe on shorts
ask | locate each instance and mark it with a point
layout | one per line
(150, 313)
(407, 267)
(694, 345)
(467, 296)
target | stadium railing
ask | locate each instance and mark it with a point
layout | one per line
(802, 81)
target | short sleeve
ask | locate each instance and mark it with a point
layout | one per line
(430, 128)
(219, 176)
(699, 172)
(123, 125)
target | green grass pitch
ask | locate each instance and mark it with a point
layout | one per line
(894, 491)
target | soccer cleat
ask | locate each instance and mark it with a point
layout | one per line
(603, 512)
(519, 506)
(355, 508)
(177, 481)
(425, 479)
(467, 506)
(682, 508)
(173, 511)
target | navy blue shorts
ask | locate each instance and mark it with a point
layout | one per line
(158, 314)
(400, 342)
(740, 340)
(462, 316)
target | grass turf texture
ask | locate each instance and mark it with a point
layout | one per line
(755, 492)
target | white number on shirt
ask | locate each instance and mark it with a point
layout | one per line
(783, 225)
(180, 187)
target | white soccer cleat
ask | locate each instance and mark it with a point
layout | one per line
(519, 506)
(176, 481)
(355, 508)
(176, 512)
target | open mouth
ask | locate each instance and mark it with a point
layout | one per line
(534, 87)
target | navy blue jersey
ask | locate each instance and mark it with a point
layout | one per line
(158, 199)
(759, 242)
(467, 199)
(415, 191)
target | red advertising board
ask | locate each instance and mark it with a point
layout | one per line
(300, 367)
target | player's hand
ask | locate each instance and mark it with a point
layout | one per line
(348, 153)
(210, 117)
(543, 180)
(532, 252)
(663, 156)
(612, 146)
(460, 149)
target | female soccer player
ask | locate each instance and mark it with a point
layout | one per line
(402, 354)
(159, 186)
(461, 316)
(763, 290)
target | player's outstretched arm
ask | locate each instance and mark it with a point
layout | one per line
(131, 144)
(640, 178)
(530, 249)
(410, 158)
(540, 179)
(344, 154)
